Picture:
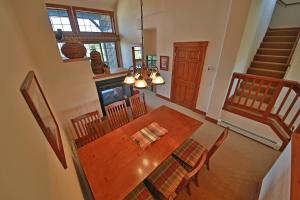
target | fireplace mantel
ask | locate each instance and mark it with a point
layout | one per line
(113, 74)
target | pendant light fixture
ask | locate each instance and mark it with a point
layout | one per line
(129, 79)
(137, 79)
(158, 79)
(140, 83)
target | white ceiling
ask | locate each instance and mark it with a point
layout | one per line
(291, 1)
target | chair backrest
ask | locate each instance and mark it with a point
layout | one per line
(218, 143)
(88, 127)
(138, 105)
(117, 114)
(192, 173)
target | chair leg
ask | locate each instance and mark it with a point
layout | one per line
(207, 165)
(188, 189)
(196, 179)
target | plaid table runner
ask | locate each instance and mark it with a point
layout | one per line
(148, 135)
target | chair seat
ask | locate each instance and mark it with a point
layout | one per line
(167, 177)
(190, 152)
(141, 192)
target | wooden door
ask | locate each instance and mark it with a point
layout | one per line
(187, 70)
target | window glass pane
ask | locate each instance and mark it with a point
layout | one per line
(94, 22)
(107, 50)
(90, 47)
(59, 19)
(110, 54)
(151, 61)
(137, 53)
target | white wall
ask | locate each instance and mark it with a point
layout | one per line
(276, 184)
(30, 169)
(70, 84)
(176, 21)
(234, 31)
(252, 129)
(258, 21)
(288, 16)
(293, 72)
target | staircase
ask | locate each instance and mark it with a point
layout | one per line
(275, 52)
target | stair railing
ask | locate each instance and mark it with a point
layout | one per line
(288, 106)
(261, 98)
(257, 94)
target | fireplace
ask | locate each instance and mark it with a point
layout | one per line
(112, 90)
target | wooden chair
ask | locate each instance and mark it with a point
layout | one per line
(190, 152)
(117, 114)
(141, 192)
(171, 177)
(138, 105)
(88, 127)
(216, 146)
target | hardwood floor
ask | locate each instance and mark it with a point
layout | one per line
(237, 168)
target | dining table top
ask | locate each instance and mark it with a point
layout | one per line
(114, 164)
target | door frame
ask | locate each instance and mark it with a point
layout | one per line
(198, 81)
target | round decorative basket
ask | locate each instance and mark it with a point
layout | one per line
(73, 49)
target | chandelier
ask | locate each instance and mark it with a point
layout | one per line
(138, 77)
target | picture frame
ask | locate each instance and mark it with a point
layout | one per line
(38, 104)
(164, 63)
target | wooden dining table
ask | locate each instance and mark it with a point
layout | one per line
(114, 164)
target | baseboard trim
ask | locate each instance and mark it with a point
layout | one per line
(215, 121)
(199, 112)
(163, 97)
(251, 135)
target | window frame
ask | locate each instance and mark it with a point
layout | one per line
(89, 37)
(94, 11)
(118, 53)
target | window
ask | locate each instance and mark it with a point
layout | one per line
(107, 50)
(59, 19)
(94, 28)
(93, 22)
(137, 53)
(151, 61)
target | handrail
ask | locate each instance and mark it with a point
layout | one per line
(264, 99)
(293, 49)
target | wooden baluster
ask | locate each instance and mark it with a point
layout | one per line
(243, 89)
(257, 93)
(264, 95)
(294, 119)
(290, 107)
(235, 91)
(283, 101)
(250, 91)
(274, 98)
(230, 87)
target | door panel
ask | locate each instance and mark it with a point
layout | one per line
(188, 64)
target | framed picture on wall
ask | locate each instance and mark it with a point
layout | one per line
(164, 63)
(40, 109)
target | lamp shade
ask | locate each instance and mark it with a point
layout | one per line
(158, 80)
(140, 83)
(129, 80)
(153, 75)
